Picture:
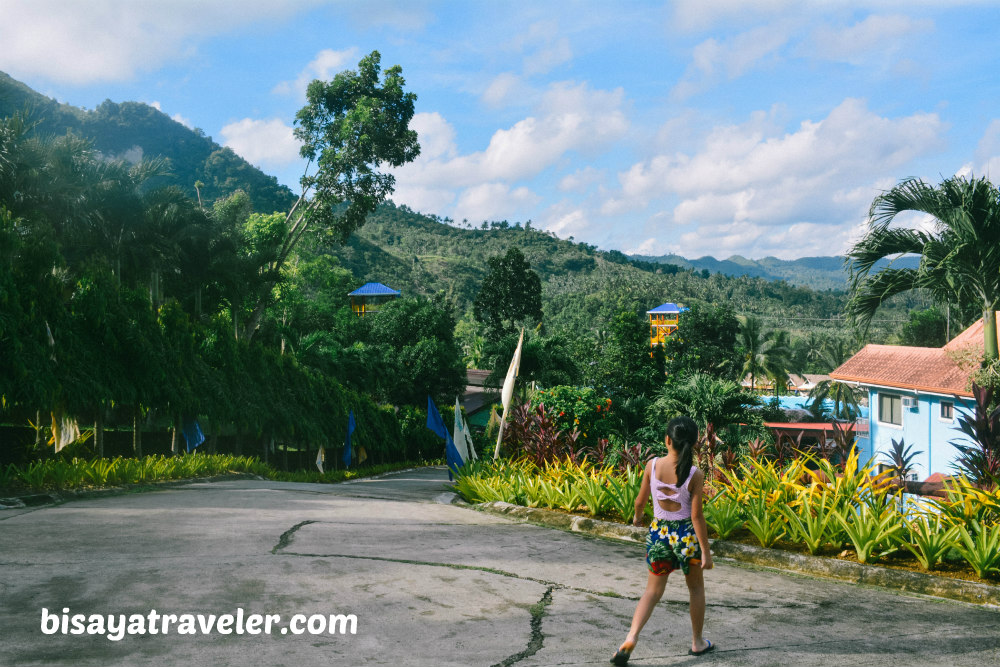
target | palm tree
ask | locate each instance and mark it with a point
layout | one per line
(763, 352)
(959, 260)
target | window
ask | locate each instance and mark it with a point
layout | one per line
(890, 409)
(947, 410)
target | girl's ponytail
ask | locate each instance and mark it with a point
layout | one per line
(683, 433)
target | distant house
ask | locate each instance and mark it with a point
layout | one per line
(916, 393)
(663, 321)
(762, 383)
(368, 298)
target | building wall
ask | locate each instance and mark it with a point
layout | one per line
(923, 427)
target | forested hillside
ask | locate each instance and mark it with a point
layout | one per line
(134, 131)
(582, 287)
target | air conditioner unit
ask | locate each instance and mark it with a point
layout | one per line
(909, 402)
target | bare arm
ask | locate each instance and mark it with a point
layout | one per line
(698, 519)
(643, 497)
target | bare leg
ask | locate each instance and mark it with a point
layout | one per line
(696, 588)
(655, 585)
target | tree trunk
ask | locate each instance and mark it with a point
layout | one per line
(990, 334)
(175, 445)
(239, 444)
(213, 441)
(99, 432)
(38, 429)
(137, 432)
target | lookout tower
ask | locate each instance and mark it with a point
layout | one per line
(663, 321)
(370, 297)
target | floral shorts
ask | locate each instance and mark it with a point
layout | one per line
(671, 545)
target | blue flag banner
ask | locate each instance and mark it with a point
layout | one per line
(347, 442)
(192, 434)
(436, 424)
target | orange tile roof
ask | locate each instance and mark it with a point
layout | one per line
(919, 368)
(933, 369)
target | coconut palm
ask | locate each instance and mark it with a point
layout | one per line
(959, 259)
(763, 352)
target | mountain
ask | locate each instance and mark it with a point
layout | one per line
(819, 273)
(133, 131)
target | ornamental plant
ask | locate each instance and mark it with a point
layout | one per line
(579, 408)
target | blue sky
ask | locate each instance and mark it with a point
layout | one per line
(710, 127)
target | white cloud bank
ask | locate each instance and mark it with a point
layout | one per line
(327, 64)
(74, 42)
(267, 143)
(484, 184)
(752, 189)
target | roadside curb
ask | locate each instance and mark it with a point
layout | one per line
(817, 566)
(55, 497)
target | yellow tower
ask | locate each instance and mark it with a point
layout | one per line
(663, 322)
(368, 298)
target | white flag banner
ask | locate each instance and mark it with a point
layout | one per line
(508, 390)
(320, 458)
(462, 437)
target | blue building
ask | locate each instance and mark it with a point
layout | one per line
(916, 394)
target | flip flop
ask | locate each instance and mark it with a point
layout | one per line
(707, 649)
(620, 658)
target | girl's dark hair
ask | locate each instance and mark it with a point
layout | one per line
(683, 433)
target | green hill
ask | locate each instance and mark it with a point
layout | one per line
(132, 130)
(820, 273)
(582, 286)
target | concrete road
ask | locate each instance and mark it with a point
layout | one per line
(429, 584)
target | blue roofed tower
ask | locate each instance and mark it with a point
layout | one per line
(370, 297)
(663, 321)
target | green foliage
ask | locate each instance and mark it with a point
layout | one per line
(625, 366)
(765, 520)
(723, 515)
(511, 293)
(979, 453)
(980, 547)
(929, 540)
(809, 521)
(706, 341)
(580, 408)
(925, 328)
(959, 260)
(707, 400)
(869, 530)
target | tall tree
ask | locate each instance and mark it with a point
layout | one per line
(350, 127)
(959, 259)
(511, 293)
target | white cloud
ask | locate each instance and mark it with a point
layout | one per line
(694, 15)
(876, 35)
(571, 118)
(543, 47)
(753, 187)
(581, 180)
(435, 134)
(714, 60)
(988, 152)
(112, 40)
(186, 122)
(493, 201)
(262, 142)
(327, 64)
(504, 88)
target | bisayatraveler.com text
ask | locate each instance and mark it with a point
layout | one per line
(118, 626)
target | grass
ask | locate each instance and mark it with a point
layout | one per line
(78, 474)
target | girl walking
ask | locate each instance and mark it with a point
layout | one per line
(678, 536)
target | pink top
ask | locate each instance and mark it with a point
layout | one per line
(681, 495)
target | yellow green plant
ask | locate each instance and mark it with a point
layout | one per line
(929, 540)
(809, 519)
(723, 515)
(765, 521)
(868, 530)
(980, 547)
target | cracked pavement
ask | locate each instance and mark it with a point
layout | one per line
(430, 583)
